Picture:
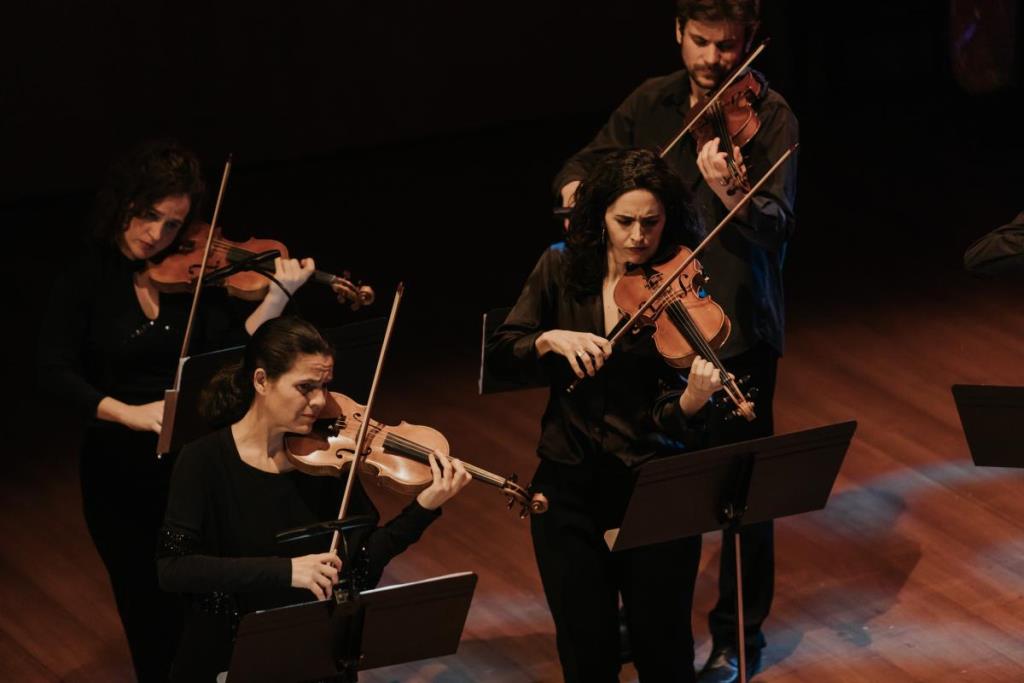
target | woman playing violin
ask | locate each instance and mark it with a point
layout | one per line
(109, 347)
(744, 263)
(234, 490)
(631, 210)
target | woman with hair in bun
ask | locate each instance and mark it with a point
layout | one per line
(109, 347)
(234, 490)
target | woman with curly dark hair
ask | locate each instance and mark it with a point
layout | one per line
(109, 348)
(630, 210)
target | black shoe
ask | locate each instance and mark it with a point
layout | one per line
(723, 666)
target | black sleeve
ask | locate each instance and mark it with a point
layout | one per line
(511, 349)
(183, 564)
(223, 319)
(670, 419)
(63, 334)
(384, 543)
(390, 540)
(1000, 252)
(617, 133)
(769, 219)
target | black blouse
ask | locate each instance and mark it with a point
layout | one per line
(629, 409)
(1000, 252)
(97, 342)
(218, 543)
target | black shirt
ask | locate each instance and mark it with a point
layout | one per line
(97, 342)
(745, 261)
(218, 543)
(629, 409)
(1000, 252)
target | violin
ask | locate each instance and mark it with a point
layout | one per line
(396, 456)
(727, 113)
(663, 291)
(685, 320)
(179, 270)
(733, 120)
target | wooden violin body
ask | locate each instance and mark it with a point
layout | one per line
(397, 457)
(686, 322)
(675, 329)
(179, 270)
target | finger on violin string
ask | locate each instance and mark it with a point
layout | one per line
(435, 468)
(446, 466)
(586, 360)
(596, 346)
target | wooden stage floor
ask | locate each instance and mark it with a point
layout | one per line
(914, 571)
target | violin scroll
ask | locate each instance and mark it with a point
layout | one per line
(516, 495)
(356, 294)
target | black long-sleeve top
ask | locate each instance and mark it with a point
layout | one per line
(1000, 252)
(218, 543)
(97, 342)
(745, 261)
(629, 409)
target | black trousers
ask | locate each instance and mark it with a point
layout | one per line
(582, 579)
(124, 494)
(757, 540)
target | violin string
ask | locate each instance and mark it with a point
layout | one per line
(688, 328)
(421, 453)
(723, 133)
(682, 318)
(685, 324)
(232, 249)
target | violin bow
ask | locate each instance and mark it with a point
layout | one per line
(171, 395)
(206, 256)
(364, 427)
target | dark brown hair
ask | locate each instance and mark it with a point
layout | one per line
(275, 346)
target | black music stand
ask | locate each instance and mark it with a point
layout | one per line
(993, 422)
(182, 422)
(356, 347)
(331, 640)
(730, 486)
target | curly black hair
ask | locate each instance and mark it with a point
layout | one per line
(145, 175)
(616, 174)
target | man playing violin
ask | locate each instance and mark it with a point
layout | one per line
(744, 263)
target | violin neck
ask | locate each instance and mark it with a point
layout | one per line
(323, 278)
(413, 451)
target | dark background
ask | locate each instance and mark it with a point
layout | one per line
(416, 141)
